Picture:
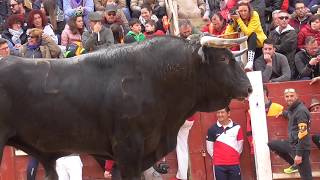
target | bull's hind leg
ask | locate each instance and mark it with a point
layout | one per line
(128, 154)
(49, 165)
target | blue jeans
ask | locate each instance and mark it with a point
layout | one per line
(227, 172)
(32, 168)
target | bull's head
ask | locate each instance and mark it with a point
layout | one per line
(224, 79)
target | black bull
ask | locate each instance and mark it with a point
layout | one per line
(124, 103)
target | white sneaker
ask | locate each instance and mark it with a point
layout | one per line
(249, 66)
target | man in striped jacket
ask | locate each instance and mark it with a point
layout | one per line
(224, 144)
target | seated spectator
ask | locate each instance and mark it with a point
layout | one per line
(150, 30)
(186, 29)
(135, 35)
(146, 14)
(4, 48)
(275, 21)
(97, 36)
(307, 60)
(247, 21)
(118, 33)
(14, 32)
(224, 7)
(157, 7)
(71, 36)
(315, 105)
(54, 11)
(259, 6)
(39, 45)
(78, 7)
(38, 20)
(111, 17)
(17, 7)
(273, 66)
(285, 38)
(300, 17)
(217, 25)
(311, 29)
(271, 6)
(122, 8)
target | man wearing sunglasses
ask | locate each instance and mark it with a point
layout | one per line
(4, 48)
(285, 38)
(295, 150)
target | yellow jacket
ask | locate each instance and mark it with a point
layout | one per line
(254, 25)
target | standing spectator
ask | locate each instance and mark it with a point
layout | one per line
(182, 149)
(273, 66)
(186, 29)
(146, 14)
(111, 17)
(301, 17)
(150, 29)
(217, 25)
(157, 7)
(307, 60)
(311, 29)
(14, 32)
(97, 36)
(39, 45)
(69, 167)
(295, 150)
(71, 37)
(135, 35)
(214, 6)
(38, 20)
(224, 145)
(285, 38)
(78, 7)
(4, 48)
(247, 21)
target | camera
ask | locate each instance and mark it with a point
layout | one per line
(161, 167)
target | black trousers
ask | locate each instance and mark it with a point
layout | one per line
(227, 172)
(285, 151)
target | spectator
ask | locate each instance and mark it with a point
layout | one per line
(186, 29)
(78, 7)
(69, 167)
(146, 14)
(14, 32)
(38, 20)
(285, 38)
(135, 35)
(295, 150)
(150, 29)
(247, 21)
(54, 10)
(39, 45)
(73, 31)
(273, 66)
(118, 33)
(111, 17)
(275, 21)
(307, 60)
(217, 25)
(301, 17)
(311, 29)
(4, 12)
(97, 36)
(17, 7)
(315, 105)
(182, 149)
(157, 7)
(122, 8)
(259, 6)
(4, 48)
(71, 37)
(224, 145)
(214, 6)
(271, 6)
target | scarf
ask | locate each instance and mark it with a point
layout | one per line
(143, 21)
(33, 47)
(15, 35)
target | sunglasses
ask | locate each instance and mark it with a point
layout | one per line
(111, 14)
(289, 90)
(12, 5)
(29, 36)
(284, 17)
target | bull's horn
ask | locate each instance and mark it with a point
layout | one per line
(216, 41)
(239, 53)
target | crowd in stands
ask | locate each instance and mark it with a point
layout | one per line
(283, 35)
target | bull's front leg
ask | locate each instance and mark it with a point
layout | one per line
(128, 153)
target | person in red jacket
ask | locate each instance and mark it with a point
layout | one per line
(217, 25)
(311, 29)
(151, 31)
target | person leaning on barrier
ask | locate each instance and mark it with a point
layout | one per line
(295, 150)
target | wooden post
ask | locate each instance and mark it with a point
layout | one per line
(259, 127)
